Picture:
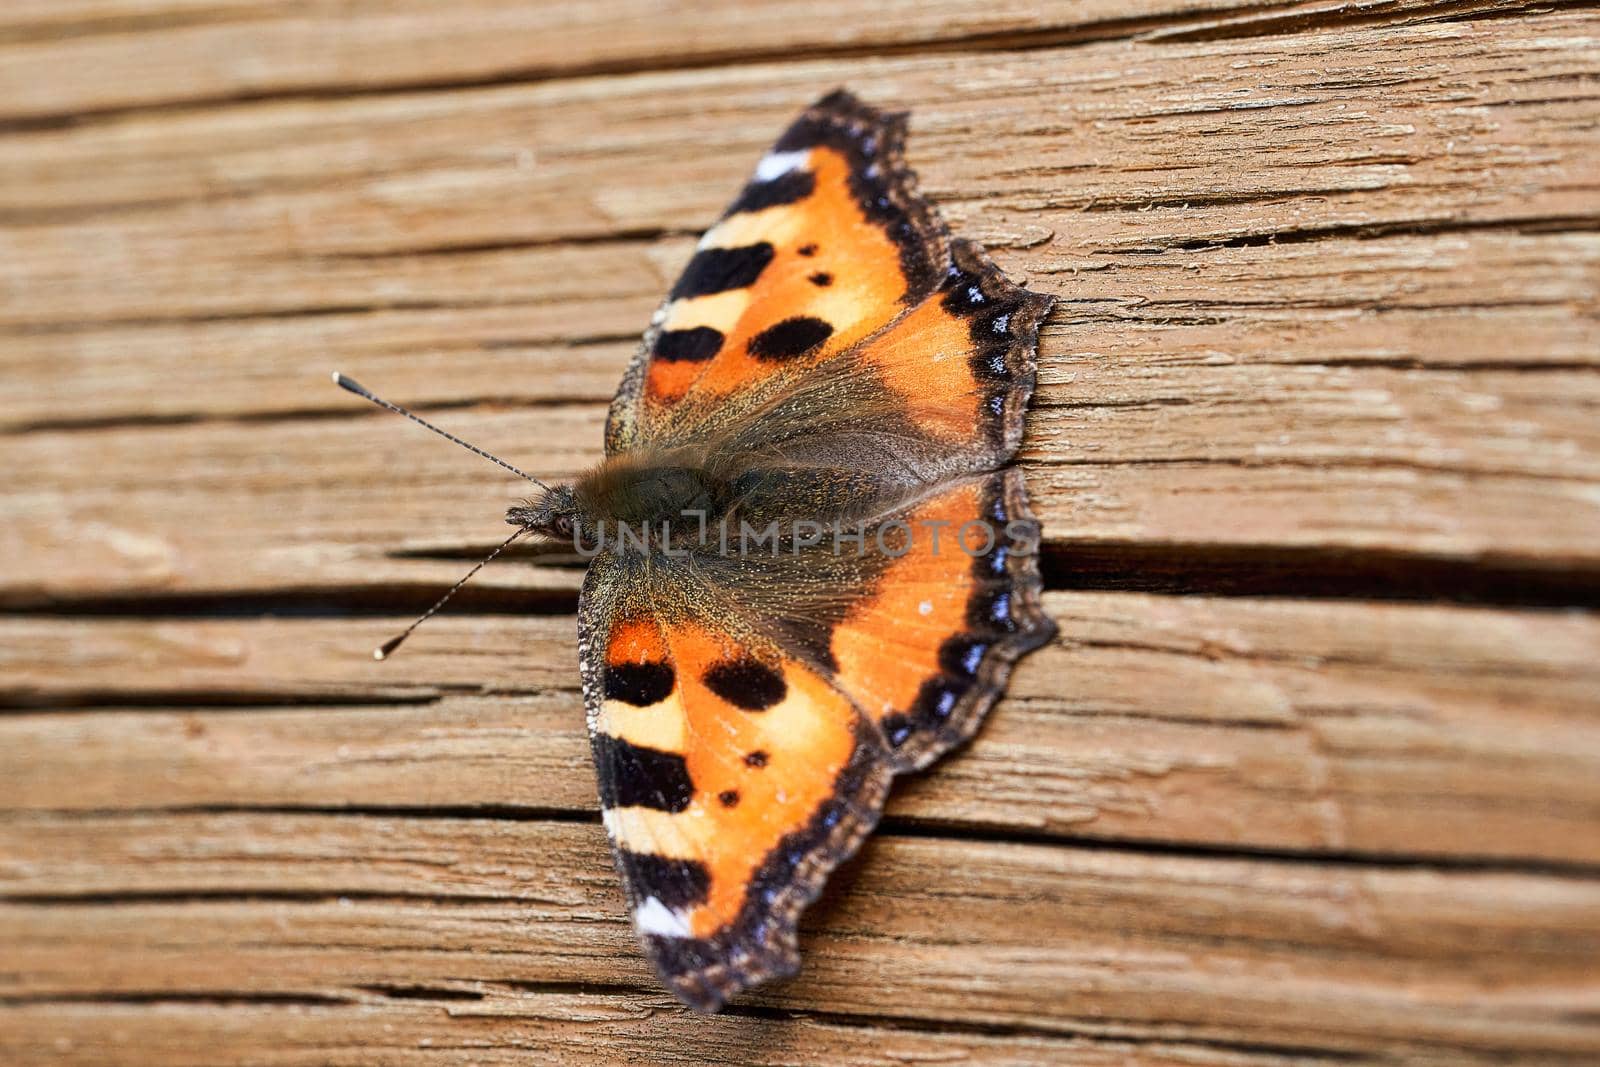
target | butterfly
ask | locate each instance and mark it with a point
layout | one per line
(811, 566)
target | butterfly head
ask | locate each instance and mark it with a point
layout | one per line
(552, 514)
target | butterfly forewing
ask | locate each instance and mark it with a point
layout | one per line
(826, 244)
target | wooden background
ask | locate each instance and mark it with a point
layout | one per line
(1311, 776)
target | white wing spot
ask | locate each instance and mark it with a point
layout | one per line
(926, 607)
(777, 164)
(655, 917)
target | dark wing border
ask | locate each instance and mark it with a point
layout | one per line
(1005, 620)
(763, 942)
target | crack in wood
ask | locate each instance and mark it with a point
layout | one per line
(1340, 14)
(1266, 572)
(1398, 228)
(1330, 858)
(89, 700)
(219, 998)
(1098, 1029)
(1281, 571)
(892, 827)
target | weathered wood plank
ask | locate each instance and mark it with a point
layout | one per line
(1424, 393)
(282, 195)
(1453, 463)
(139, 54)
(496, 1025)
(1238, 951)
(1464, 135)
(1402, 730)
(1330, 313)
(1397, 313)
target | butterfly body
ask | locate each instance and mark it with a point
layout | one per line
(811, 566)
(639, 490)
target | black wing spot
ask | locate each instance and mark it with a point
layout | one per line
(807, 250)
(790, 338)
(784, 189)
(635, 776)
(758, 758)
(729, 798)
(822, 279)
(678, 884)
(694, 345)
(639, 684)
(716, 270)
(746, 684)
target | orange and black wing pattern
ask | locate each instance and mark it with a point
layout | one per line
(733, 778)
(831, 357)
(827, 243)
(745, 742)
(928, 646)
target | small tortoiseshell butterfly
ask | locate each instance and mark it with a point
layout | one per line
(812, 568)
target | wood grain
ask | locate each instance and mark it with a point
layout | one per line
(221, 50)
(1403, 730)
(1309, 776)
(505, 1026)
(1382, 339)
(1223, 950)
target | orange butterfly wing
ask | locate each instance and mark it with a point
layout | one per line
(736, 772)
(732, 779)
(828, 243)
(928, 647)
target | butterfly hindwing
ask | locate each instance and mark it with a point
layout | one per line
(737, 770)
(928, 646)
(960, 364)
(732, 776)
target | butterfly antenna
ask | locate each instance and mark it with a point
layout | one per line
(385, 650)
(351, 385)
